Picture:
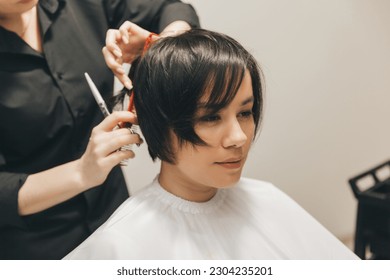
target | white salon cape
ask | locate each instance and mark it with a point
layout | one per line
(252, 220)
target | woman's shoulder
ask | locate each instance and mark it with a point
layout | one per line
(140, 201)
(100, 245)
(267, 196)
(276, 212)
(115, 238)
(267, 193)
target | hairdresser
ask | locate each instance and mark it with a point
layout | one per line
(59, 172)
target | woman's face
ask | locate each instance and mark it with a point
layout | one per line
(15, 7)
(228, 133)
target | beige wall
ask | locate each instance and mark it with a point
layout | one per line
(327, 70)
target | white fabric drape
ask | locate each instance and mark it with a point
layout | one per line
(252, 220)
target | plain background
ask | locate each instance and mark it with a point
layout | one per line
(327, 70)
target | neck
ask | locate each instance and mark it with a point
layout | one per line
(18, 23)
(26, 26)
(177, 183)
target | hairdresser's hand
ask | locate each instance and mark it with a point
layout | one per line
(102, 152)
(124, 45)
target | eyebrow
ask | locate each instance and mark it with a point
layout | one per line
(248, 100)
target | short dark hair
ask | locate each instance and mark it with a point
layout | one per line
(174, 74)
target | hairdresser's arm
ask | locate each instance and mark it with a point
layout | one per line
(53, 186)
(123, 45)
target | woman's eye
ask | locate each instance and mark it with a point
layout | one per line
(211, 118)
(245, 114)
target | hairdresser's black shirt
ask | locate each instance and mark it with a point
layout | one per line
(47, 113)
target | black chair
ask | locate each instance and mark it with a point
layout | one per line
(373, 213)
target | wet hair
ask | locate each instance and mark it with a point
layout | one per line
(176, 73)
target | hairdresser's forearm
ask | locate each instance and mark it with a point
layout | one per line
(50, 187)
(175, 28)
(53, 186)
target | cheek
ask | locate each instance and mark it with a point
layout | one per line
(210, 135)
(194, 164)
(249, 130)
(191, 157)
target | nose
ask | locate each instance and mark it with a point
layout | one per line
(234, 135)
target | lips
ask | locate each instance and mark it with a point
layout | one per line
(231, 163)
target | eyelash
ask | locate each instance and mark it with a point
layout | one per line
(246, 114)
(215, 118)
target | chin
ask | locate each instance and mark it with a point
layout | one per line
(228, 181)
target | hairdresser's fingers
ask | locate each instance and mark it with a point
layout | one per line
(116, 67)
(114, 64)
(117, 157)
(134, 38)
(138, 31)
(94, 168)
(117, 140)
(114, 44)
(125, 30)
(113, 40)
(125, 80)
(113, 120)
(129, 124)
(130, 31)
(112, 50)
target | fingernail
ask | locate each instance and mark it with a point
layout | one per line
(140, 143)
(125, 40)
(128, 85)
